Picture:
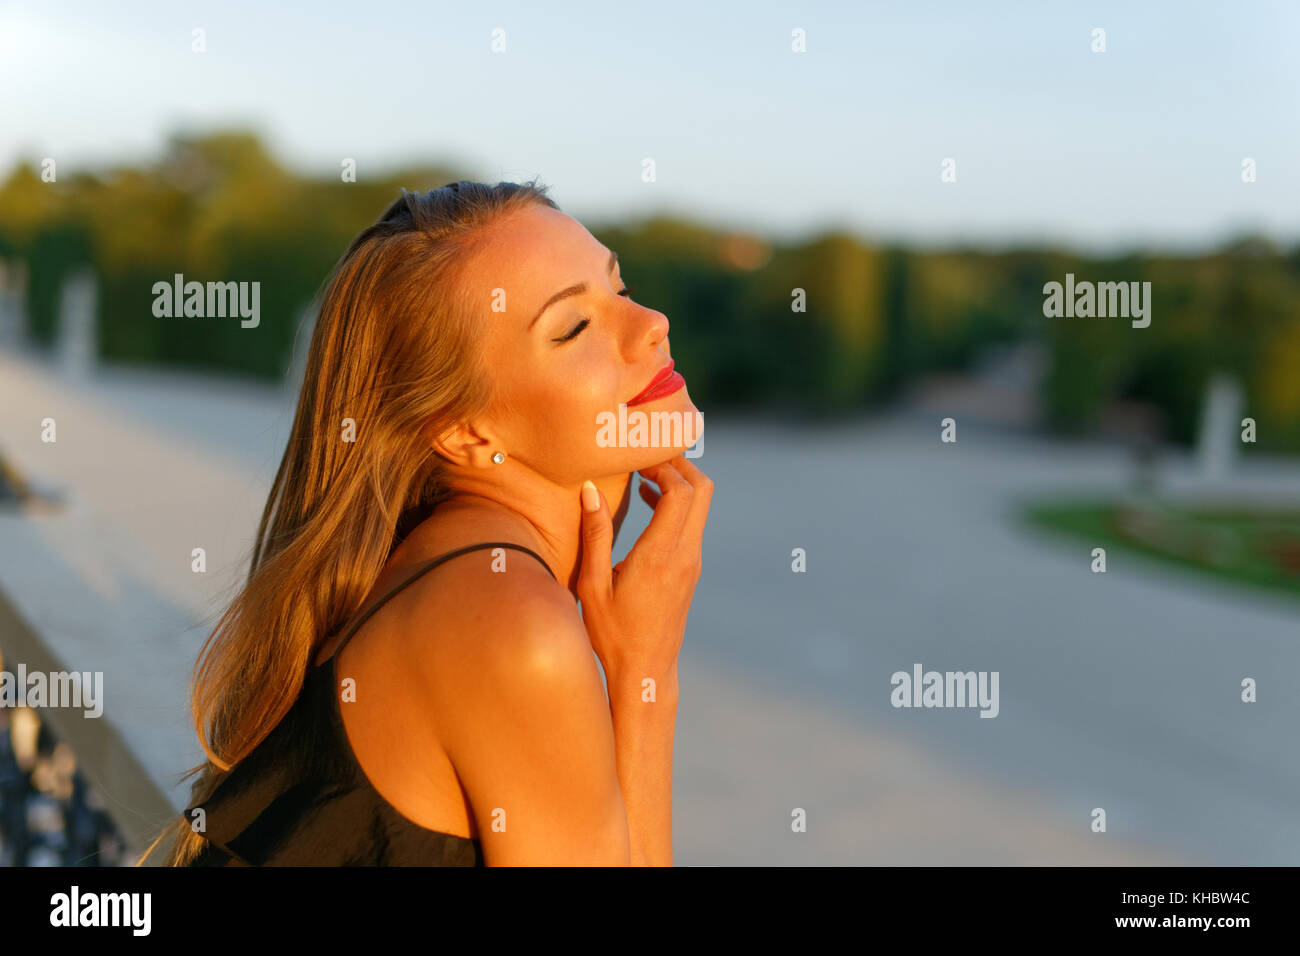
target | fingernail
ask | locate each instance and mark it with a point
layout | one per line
(590, 498)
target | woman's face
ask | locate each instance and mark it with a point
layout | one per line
(565, 349)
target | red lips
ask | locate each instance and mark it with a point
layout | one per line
(665, 382)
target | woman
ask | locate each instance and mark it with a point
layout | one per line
(358, 709)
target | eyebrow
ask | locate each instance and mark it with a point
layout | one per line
(572, 290)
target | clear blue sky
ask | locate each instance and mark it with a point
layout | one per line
(1140, 145)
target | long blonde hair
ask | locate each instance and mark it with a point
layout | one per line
(393, 350)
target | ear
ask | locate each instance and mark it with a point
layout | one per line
(462, 444)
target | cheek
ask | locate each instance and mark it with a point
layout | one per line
(590, 391)
(558, 404)
(583, 389)
(588, 376)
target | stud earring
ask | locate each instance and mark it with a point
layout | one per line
(499, 457)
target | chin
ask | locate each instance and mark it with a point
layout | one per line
(652, 432)
(671, 441)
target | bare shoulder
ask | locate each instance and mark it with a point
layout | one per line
(520, 712)
(504, 683)
(488, 619)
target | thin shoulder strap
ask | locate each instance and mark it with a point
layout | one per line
(429, 566)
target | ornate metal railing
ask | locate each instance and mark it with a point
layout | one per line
(49, 814)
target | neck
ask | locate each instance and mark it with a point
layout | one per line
(535, 513)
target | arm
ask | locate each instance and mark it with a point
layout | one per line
(635, 617)
(643, 733)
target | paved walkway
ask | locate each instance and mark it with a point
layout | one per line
(1117, 691)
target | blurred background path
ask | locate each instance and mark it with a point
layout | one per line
(1118, 690)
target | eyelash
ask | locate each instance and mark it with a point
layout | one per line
(627, 291)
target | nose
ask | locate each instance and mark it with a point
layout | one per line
(644, 328)
(655, 327)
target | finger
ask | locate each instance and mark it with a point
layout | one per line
(595, 584)
(648, 494)
(672, 508)
(693, 526)
(662, 474)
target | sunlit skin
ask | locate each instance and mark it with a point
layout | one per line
(552, 391)
(474, 695)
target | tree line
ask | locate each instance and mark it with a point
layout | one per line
(822, 327)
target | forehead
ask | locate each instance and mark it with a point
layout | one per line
(535, 252)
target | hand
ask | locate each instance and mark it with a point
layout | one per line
(635, 613)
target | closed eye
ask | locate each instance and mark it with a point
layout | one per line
(577, 329)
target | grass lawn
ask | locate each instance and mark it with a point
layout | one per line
(1254, 548)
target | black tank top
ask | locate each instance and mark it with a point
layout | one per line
(301, 798)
